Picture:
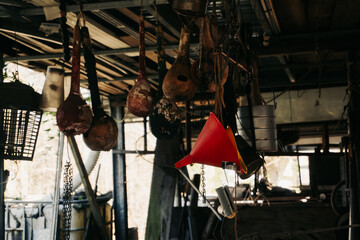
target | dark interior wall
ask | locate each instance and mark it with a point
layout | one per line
(278, 222)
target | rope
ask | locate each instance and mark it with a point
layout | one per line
(64, 32)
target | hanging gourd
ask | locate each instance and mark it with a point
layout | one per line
(74, 115)
(140, 98)
(190, 7)
(165, 118)
(103, 133)
(202, 68)
(178, 84)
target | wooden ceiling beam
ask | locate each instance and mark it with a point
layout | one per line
(100, 52)
(123, 79)
(163, 21)
(13, 3)
(89, 7)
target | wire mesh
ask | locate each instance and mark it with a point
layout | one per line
(19, 133)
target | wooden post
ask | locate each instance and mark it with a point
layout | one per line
(163, 185)
(354, 160)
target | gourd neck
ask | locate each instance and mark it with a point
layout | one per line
(184, 43)
(142, 65)
(75, 72)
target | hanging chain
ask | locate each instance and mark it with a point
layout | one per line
(68, 185)
(203, 183)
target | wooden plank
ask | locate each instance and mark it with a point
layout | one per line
(94, 206)
(98, 32)
(130, 14)
(87, 6)
(121, 83)
(106, 87)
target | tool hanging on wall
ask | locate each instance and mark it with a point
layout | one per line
(165, 118)
(103, 133)
(140, 98)
(74, 115)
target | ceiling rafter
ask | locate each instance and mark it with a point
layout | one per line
(90, 7)
(99, 52)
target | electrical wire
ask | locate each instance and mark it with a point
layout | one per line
(151, 162)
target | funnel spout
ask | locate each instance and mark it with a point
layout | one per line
(183, 162)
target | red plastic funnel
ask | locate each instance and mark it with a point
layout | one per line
(213, 146)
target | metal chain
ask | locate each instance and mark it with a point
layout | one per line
(203, 183)
(68, 185)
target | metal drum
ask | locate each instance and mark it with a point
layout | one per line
(264, 124)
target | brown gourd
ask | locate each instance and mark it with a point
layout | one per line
(103, 133)
(164, 118)
(203, 71)
(178, 83)
(74, 115)
(140, 98)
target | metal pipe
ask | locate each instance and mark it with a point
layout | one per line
(24, 223)
(55, 213)
(354, 216)
(116, 151)
(122, 79)
(188, 126)
(119, 177)
(86, 201)
(198, 191)
(145, 134)
(2, 173)
(251, 117)
(2, 192)
(1, 66)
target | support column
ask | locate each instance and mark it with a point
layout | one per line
(2, 197)
(145, 134)
(354, 165)
(188, 127)
(2, 173)
(119, 177)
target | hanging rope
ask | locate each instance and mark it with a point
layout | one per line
(219, 88)
(64, 32)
